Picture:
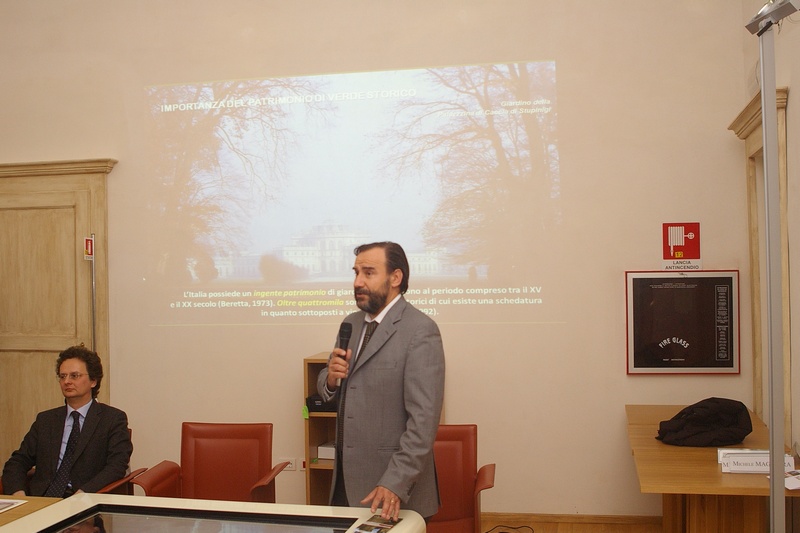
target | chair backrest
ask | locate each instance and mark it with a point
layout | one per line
(456, 455)
(223, 461)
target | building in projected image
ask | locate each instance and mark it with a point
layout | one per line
(326, 253)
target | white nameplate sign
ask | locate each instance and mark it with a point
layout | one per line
(741, 460)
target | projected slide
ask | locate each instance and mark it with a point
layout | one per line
(263, 188)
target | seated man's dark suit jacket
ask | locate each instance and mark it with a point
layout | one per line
(101, 456)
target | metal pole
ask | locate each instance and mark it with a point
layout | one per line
(94, 295)
(769, 125)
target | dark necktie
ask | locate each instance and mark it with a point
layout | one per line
(60, 482)
(371, 326)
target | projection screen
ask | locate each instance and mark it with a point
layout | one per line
(260, 189)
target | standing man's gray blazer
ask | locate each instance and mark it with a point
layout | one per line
(392, 409)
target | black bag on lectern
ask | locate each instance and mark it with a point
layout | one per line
(709, 422)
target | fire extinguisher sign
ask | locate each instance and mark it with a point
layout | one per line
(681, 246)
(88, 248)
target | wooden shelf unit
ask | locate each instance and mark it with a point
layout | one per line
(320, 427)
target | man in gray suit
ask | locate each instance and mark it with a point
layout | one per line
(390, 395)
(103, 447)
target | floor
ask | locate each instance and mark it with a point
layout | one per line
(560, 526)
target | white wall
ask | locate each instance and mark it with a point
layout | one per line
(646, 92)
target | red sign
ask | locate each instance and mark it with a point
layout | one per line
(88, 247)
(681, 240)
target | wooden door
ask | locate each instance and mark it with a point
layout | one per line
(50, 297)
(747, 127)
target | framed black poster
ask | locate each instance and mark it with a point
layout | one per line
(683, 322)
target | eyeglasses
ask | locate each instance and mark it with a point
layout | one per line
(72, 375)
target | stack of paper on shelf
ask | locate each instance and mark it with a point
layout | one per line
(327, 450)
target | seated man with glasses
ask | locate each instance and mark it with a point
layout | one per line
(79, 447)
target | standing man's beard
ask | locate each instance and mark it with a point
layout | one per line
(376, 300)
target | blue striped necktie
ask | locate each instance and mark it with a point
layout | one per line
(60, 482)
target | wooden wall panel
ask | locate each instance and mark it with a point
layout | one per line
(46, 304)
(27, 382)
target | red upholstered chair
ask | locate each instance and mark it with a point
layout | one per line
(460, 482)
(122, 486)
(218, 462)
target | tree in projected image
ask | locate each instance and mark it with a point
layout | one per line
(489, 136)
(220, 153)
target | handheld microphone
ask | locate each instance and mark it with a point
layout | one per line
(345, 331)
